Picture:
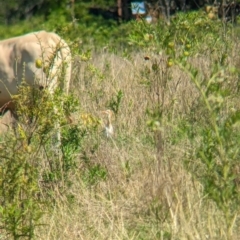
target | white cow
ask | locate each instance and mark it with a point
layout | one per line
(36, 57)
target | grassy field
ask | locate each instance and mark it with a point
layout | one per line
(171, 169)
(147, 192)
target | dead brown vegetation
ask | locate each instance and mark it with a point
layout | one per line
(148, 194)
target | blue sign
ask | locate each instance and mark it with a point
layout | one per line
(138, 8)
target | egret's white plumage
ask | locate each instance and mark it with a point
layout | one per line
(108, 125)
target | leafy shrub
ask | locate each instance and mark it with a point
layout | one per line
(208, 124)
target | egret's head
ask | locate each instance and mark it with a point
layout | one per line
(108, 112)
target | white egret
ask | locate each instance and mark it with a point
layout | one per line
(108, 125)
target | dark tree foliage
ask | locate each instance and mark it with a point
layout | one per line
(12, 11)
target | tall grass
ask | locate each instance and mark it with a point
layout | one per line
(136, 186)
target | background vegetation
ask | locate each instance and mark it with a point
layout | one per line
(171, 170)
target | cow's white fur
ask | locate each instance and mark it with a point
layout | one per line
(18, 57)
